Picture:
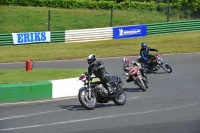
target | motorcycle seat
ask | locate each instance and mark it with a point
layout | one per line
(114, 79)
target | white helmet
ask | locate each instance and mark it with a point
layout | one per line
(126, 61)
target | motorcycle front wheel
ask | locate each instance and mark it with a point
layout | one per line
(141, 84)
(86, 102)
(121, 98)
(167, 68)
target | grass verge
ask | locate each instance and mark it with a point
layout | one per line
(167, 43)
(15, 19)
(21, 75)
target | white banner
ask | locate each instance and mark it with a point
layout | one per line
(31, 37)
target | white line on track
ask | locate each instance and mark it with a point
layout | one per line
(28, 115)
(131, 98)
(40, 113)
(96, 118)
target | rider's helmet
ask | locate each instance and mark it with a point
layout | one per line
(91, 58)
(126, 61)
(144, 45)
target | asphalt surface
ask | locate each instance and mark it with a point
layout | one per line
(170, 105)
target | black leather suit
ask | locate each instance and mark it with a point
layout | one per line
(98, 69)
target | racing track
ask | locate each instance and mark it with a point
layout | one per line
(170, 105)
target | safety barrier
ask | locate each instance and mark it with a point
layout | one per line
(172, 27)
(107, 33)
(6, 39)
(86, 35)
(39, 90)
(25, 91)
(57, 36)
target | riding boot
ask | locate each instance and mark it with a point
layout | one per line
(128, 79)
(146, 67)
(110, 90)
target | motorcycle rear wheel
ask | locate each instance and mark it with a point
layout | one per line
(141, 85)
(121, 98)
(86, 102)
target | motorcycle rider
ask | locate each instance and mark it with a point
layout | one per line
(98, 69)
(144, 53)
(127, 66)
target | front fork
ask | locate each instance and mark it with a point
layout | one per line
(161, 63)
(87, 85)
(139, 77)
(89, 91)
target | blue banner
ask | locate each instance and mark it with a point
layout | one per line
(132, 31)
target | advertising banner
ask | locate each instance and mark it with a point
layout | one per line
(131, 31)
(31, 37)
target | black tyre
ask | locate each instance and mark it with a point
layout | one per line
(86, 102)
(120, 99)
(147, 86)
(167, 68)
(146, 82)
(141, 85)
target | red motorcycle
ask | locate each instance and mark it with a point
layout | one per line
(155, 63)
(136, 76)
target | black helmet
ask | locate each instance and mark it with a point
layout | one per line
(91, 58)
(144, 45)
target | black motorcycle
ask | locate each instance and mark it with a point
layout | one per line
(93, 91)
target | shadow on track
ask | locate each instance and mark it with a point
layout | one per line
(155, 72)
(80, 107)
(132, 90)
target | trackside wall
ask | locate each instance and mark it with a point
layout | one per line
(25, 91)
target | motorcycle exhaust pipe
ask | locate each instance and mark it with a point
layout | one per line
(112, 96)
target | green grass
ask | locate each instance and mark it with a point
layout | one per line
(28, 19)
(21, 75)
